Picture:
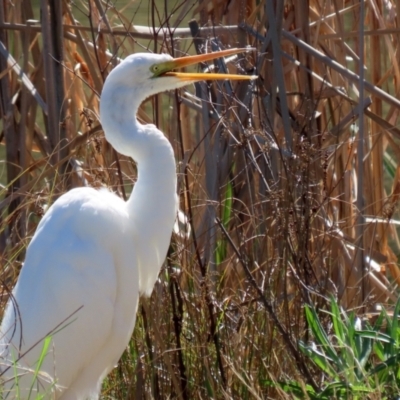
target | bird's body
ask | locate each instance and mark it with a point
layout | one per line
(93, 254)
(71, 292)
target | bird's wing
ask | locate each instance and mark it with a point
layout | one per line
(68, 288)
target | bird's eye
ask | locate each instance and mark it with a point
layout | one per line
(159, 69)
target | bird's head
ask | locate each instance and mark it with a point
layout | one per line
(137, 77)
(148, 74)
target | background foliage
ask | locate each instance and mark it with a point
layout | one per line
(290, 185)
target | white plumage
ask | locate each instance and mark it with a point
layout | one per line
(93, 253)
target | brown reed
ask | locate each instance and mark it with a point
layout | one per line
(290, 185)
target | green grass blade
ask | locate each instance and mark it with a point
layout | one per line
(321, 360)
(46, 345)
(320, 334)
(337, 322)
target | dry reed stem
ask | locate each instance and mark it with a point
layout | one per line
(269, 175)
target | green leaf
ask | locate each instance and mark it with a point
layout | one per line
(394, 333)
(320, 334)
(301, 391)
(340, 387)
(381, 337)
(390, 362)
(227, 210)
(365, 352)
(320, 359)
(379, 351)
(337, 322)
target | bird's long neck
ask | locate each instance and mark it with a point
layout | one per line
(152, 205)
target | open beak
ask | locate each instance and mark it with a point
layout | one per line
(168, 67)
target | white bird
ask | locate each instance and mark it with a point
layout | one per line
(93, 254)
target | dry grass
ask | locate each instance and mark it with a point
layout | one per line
(290, 185)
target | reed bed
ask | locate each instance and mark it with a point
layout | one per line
(289, 185)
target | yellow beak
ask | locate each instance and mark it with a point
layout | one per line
(165, 69)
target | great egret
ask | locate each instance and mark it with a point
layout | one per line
(93, 254)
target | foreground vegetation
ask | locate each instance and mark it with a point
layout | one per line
(287, 283)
